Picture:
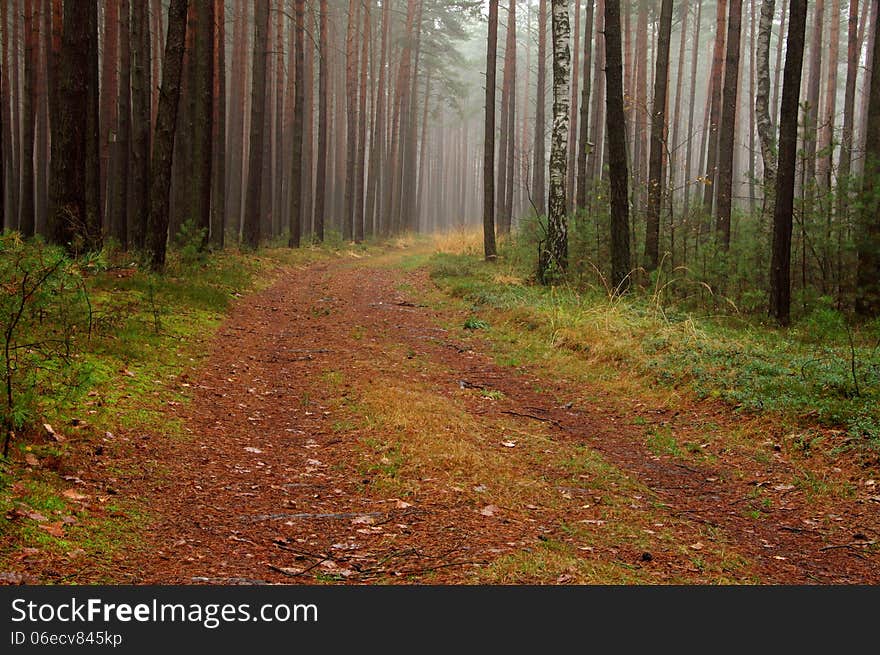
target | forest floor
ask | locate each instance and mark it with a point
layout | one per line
(346, 427)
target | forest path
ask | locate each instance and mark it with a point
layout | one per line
(345, 429)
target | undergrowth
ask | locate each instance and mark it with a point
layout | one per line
(821, 370)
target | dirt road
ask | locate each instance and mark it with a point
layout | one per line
(345, 429)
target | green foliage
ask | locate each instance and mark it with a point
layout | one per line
(44, 316)
(473, 323)
(190, 242)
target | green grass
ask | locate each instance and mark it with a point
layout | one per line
(146, 332)
(809, 374)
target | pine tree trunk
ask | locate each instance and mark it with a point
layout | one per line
(109, 88)
(296, 213)
(674, 158)
(141, 125)
(849, 104)
(658, 139)
(777, 69)
(252, 216)
(597, 112)
(689, 150)
(826, 134)
(118, 220)
(618, 173)
(780, 267)
(573, 132)
(15, 123)
(323, 117)
(203, 117)
(351, 94)
(584, 124)
(489, 248)
(554, 253)
(868, 278)
(166, 126)
(5, 121)
(724, 194)
(360, 164)
(27, 211)
(218, 203)
(540, 159)
(375, 214)
(75, 218)
(509, 126)
(717, 78)
(811, 115)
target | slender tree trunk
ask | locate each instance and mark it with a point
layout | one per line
(573, 132)
(716, 83)
(780, 268)
(118, 220)
(109, 88)
(554, 253)
(141, 126)
(724, 194)
(166, 126)
(360, 164)
(251, 235)
(597, 112)
(5, 120)
(92, 232)
(674, 154)
(27, 216)
(777, 69)
(584, 124)
(203, 118)
(15, 67)
(689, 150)
(540, 159)
(811, 115)
(658, 139)
(323, 117)
(377, 146)
(826, 134)
(849, 105)
(220, 132)
(298, 111)
(489, 247)
(618, 173)
(509, 127)
(868, 277)
(762, 102)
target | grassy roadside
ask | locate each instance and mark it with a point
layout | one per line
(811, 390)
(58, 488)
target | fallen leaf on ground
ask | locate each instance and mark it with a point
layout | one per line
(697, 546)
(489, 510)
(31, 460)
(55, 529)
(508, 444)
(251, 449)
(72, 494)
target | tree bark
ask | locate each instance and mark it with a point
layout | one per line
(780, 267)
(251, 232)
(573, 132)
(109, 88)
(203, 118)
(75, 218)
(716, 80)
(762, 102)
(656, 177)
(540, 159)
(618, 173)
(489, 247)
(868, 277)
(296, 213)
(724, 194)
(584, 125)
(27, 209)
(220, 132)
(166, 126)
(118, 221)
(811, 115)
(688, 158)
(553, 260)
(323, 117)
(826, 134)
(849, 105)
(141, 94)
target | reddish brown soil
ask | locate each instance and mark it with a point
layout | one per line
(268, 487)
